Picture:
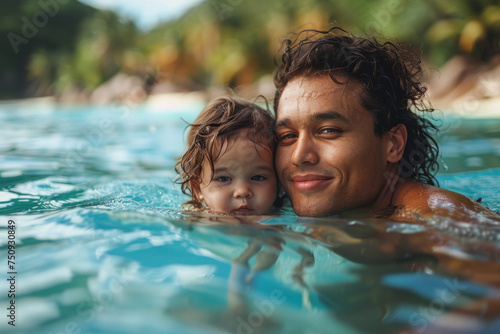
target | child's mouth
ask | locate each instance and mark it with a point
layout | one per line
(242, 210)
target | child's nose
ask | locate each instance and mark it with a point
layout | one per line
(242, 190)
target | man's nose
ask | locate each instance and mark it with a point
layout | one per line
(242, 190)
(305, 151)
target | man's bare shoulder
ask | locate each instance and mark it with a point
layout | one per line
(428, 201)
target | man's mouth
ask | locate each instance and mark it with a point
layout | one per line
(310, 182)
(243, 210)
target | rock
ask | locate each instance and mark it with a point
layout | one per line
(163, 87)
(121, 87)
(74, 95)
(488, 83)
(454, 78)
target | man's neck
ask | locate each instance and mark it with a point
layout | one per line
(392, 181)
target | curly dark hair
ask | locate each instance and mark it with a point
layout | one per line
(391, 78)
(222, 119)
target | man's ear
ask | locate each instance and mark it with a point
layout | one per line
(397, 137)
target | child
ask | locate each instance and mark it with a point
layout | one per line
(228, 167)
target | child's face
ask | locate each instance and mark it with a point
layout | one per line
(244, 181)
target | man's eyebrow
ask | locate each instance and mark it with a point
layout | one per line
(282, 123)
(330, 115)
(321, 116)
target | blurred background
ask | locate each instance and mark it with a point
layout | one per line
(94, 100)
(100, 51)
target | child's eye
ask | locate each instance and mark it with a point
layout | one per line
(222, 179)
(258, 178)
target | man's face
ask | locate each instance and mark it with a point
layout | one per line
(328, 157)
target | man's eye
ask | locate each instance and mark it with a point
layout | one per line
(222, 179)
(258, 178)
(329, 131)
(286, 136)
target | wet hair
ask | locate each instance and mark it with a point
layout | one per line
(390, 76)
(223, 119)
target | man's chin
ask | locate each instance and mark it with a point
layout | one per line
(316, 204)
(315, 211)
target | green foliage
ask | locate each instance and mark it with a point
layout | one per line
(467, 27)
(219, 42)
(28, 37)
(100, 45)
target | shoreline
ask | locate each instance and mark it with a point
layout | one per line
(163, 102)
(487, 108)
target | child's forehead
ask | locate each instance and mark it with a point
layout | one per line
(242, 139)
(245, 142)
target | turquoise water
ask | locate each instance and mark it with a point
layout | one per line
(102, 248)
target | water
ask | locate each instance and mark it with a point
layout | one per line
(102, 248)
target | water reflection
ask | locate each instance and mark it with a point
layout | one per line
(379, 277)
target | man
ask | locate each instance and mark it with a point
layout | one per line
(349, 131)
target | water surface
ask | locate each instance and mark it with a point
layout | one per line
(102, 247)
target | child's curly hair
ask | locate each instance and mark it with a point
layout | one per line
(222, 119)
